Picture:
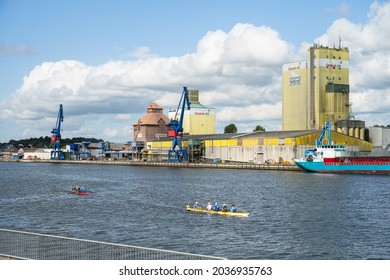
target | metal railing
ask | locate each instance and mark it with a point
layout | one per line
(27, 245)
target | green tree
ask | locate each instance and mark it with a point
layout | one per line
(42, 142)
(231, 128)
(259, 128)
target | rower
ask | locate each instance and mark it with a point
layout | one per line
(233, 209)
(196, 205)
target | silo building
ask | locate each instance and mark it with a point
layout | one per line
(199, 119)
(317, 91)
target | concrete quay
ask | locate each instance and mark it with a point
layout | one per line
(244, 166)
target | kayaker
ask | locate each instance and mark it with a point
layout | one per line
(233, 209)
(209, 207)
(224, 208)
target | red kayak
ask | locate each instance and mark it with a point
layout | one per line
(79, 191)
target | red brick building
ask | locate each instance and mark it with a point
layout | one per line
(152, 125)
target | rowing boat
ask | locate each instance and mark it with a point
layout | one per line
(225, 213)
(79, 191)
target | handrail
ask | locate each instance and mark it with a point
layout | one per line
(27, 245)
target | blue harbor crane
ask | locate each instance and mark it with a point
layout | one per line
(176, 130)
(326, 128)
(56, 152)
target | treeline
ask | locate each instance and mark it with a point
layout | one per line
(44, 142)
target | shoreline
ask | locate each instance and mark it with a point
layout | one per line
(244, 166)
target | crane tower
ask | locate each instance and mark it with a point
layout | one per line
(56, 152)
(176, 130)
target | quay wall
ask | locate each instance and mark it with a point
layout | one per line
(247, 166)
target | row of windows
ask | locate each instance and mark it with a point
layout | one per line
(327, 78)
(333, 57)
(327, 56)
(334, 67)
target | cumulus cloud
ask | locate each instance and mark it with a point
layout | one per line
(239, 69)
(237, 72)
(263, 112)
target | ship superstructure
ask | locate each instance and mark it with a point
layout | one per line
(334, 158)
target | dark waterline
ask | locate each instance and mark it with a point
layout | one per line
(294, 215)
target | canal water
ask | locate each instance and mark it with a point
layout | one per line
(293, 215)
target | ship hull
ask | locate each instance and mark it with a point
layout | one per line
(322, 167)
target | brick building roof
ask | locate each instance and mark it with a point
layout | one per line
(153, 116)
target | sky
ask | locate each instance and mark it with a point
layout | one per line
(106, 60)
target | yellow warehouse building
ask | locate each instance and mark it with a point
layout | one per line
(257, 147)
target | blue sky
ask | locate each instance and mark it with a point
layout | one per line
(102, 59)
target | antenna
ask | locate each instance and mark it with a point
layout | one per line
(351, 116)
(339, 40)
(349, 106)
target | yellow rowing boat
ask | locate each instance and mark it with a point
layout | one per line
(227, 213)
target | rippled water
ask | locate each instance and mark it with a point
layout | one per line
(294, 215)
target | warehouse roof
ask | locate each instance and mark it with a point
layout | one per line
(257, 134)
(281, 134)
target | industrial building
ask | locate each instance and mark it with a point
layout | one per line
(317, 91)
(257, 147)
(380, 136)
(199, 119)
(152, 125)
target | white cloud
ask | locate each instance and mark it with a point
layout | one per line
(237, 72)
(260, 112)
(141, 53)
(110, 133)
(22, 49)
(341, 10)
(254, 45)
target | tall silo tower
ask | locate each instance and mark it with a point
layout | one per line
(328, 86)
(317, 90)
